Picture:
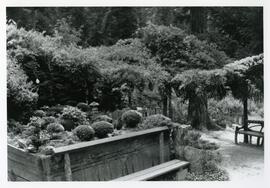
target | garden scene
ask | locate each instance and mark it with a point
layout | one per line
(135, 93)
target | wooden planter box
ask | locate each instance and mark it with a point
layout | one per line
(98, 160)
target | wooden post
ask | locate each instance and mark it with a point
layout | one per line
(245, 118)
(45, 161)
(68, 173)
(170, 106)
(161, 147)
(165, 105)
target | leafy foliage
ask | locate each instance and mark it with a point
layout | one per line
(21, 93)
(131, 118)
(73, 114)
(245, 77)
(55, 128)
(175, 48)
(64, 72)
(84, 132)
(103, 118)
(199, 82)
(102, 128)
(156, 120)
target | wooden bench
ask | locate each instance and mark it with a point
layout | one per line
(250, 132)
(156, 171)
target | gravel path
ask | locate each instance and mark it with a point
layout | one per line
(243, 161)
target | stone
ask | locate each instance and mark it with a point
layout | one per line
(194, 155)
(181, 175)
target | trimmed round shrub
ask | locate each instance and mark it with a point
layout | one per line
(72, 117)
(39, 113)
(84, 132)
(131, 118)
(157, 120)
(55, 128)
(103, 118)
(83, 106)
(102, 128)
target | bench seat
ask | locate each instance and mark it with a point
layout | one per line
(252, 133)
(155, 171)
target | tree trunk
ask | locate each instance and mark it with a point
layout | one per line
(130, 99)
(165, 105)
(198, 20)
(170, 105)
(245, 118)
(198, 113)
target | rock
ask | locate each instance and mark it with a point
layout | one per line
(48, 150)
(22, 144)
(181, 175)
(194, 155)
(31, 149)
(179, 132)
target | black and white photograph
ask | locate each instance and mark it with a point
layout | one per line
(135, 93)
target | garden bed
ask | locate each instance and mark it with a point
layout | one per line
(98, 160)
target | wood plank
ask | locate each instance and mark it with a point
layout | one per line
(68, 173)
(161, 147)
(45, 161)
(115, 169)
(252, 133)
(79, 146)
(160, 172)
(90, 157)
(159, 169)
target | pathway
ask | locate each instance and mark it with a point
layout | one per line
(243, 161)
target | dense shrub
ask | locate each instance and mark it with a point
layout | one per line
(21, 96)
(84, 132)
(174, 47)
(103, 118)
(37, 122)
(72, 117)
(193, 138)
(65, 72)
(15, 126)
(156, 120)
(131, 118)
(55, 128)
(180, 111)
(225, 111)
(210, 170)
(102, 128)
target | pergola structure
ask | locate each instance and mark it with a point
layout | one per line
(248, 82)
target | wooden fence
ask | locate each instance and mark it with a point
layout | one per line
(99, 160)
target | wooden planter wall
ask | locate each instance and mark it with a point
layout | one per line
(98, 160)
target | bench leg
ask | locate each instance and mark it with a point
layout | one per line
(262, 141)
(250, 139)
(235, 137)
(258, 141)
